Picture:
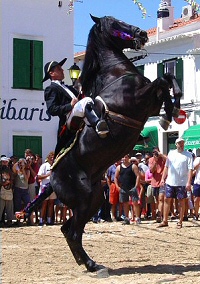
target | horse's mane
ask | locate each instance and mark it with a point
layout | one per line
(99, 40)
(91, 64)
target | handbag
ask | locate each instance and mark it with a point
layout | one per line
(6, 194)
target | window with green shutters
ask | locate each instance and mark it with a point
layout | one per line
(27, 64)
(179, 73)
(20, 143)
(173, 66)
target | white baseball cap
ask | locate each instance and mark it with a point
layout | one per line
(5, 159)
(179, 140)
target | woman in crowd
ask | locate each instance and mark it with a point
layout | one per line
(48, 204)
(21, 176)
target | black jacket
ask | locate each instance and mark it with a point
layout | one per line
(58, 102)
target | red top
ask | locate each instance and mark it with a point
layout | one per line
(156, 166)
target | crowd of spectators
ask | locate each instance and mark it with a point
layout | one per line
(22, 179)
(150, 186)
(154, 196)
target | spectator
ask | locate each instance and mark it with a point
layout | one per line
(33, 167)
(156, 166)
(48, 204)
(127, 180)
(6, 197)
(61, 212)
(38, 160)
(150, 200)
(104, 211)
(5, 162)
(113, 192)
(4, 165)
(13, 160)
(21, 193)
(196, 188)
(143, 167)
(178, 177)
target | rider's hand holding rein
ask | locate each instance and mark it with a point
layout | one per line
(74, 101)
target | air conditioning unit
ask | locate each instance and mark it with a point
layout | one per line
(187, 12)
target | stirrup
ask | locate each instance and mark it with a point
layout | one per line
(102, 128)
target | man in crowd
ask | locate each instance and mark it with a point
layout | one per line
(177, 175)
(156, 166)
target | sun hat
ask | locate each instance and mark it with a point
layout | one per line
(48, 66)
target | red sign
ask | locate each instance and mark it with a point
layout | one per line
(181, 118)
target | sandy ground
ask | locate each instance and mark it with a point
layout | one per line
(132, 254)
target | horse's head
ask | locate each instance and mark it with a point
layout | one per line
(121, 35)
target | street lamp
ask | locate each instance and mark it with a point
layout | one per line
(74, 72)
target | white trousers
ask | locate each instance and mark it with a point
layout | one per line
(78, 110)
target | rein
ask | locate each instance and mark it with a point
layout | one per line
(116, 117)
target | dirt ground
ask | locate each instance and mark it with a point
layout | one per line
(132, 254)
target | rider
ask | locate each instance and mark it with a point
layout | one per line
(63, 101)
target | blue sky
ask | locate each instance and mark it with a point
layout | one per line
(124, 10)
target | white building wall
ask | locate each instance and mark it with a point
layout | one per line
(189, 79)
(150, 71)
(34, 20)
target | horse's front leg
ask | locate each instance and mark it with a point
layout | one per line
(163, 85)
(176, 93)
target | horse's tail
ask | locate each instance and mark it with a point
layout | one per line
(47, 190)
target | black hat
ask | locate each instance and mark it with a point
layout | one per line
(49, 66)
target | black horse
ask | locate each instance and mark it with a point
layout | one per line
(127, 99)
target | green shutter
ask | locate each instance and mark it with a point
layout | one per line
(160, 70)
(141, 69)
(21, 63)
(37, 64)
(179, 73)
(20, 143)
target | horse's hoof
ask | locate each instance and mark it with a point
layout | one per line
(164, 123)
(103, 273)
(175, 112)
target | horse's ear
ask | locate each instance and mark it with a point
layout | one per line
(95, 19)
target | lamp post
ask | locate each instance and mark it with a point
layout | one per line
(74, 72)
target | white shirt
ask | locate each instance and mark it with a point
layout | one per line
(178, 165)
(43, 170)
(197, 175)
(65, 88)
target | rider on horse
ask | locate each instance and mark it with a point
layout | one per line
(64, 101)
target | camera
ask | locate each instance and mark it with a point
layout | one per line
(29, 159)
(21, 163)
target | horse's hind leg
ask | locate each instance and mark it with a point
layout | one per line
(75, 251)
(74, 239)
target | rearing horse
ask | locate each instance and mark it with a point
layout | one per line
(128, 99)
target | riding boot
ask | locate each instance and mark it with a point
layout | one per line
(100, 125)
(37, 201)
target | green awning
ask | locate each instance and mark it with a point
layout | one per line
(192, 137)
(150, 132)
